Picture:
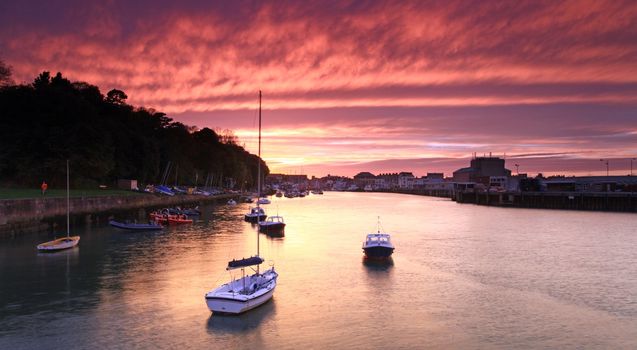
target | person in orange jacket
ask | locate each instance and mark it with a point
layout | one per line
(44, 187)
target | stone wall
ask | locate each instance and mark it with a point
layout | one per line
(26, 215)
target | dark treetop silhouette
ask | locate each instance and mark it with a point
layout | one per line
(54, 119)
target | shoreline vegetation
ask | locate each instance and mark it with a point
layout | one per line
(106, 139)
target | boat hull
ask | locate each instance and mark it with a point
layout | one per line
(179, 221)
(234, 306)
(255, 218)
(135, 227)
(59, 244)
(272, 229)
(224, 301)
(378, 252)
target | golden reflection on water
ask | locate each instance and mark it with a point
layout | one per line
(461, 276)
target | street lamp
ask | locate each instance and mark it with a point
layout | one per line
(606, 162)
(517, 168)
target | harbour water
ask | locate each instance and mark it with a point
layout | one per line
(463, 276)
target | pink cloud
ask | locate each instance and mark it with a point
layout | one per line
(390, 80)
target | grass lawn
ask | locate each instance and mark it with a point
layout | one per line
(19, 193)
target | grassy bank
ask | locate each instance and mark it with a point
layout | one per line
(25, 193)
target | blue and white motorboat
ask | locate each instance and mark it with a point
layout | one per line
(378, 245)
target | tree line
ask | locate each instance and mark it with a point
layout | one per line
(53, 119)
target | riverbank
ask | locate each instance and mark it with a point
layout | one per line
(18, 216)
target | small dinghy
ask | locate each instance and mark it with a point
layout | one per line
(135, 226)
(64, 242)
(263, 200)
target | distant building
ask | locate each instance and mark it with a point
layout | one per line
(405, 180)
(388, 180)
(482, 169)
(433, 176)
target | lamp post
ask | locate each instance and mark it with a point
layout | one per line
(517, 168)
(606, 162)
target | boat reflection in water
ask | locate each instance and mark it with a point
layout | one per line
(243, 323)
(380, 264)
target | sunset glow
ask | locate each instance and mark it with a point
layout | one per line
(361, 86)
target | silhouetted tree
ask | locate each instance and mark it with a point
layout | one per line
(116, 96)
(42, 81)
(5, 74)
(53, 119)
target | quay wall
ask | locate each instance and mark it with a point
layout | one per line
(593, 201)
(28, 215)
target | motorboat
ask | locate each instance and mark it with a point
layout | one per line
(249, 291)
(152, 226)
(263, 200)
(255, 215)
(64, 242)
(378, 245)
(274, 225)
(232, 202)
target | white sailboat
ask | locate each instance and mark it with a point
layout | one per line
(249, 291)
(64, 242)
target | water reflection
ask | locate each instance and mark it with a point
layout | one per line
(378, 264)
(461, 277)
(243, 323)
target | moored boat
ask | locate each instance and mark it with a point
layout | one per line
(249, 291)
(274, 225)
(378, 245)
(245, 293)
(152, 226)
(179, 219)
(64, 242)
(59, 244)
(263, 200)
(255, 215)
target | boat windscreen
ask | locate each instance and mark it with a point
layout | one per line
(237, 264)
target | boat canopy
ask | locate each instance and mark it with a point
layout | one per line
(237, 264)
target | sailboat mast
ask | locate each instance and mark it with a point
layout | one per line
(259, 178)
(68, 206)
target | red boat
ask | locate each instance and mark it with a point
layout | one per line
(165, 218)
(179, 219)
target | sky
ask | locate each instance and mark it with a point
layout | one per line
(349, 86)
